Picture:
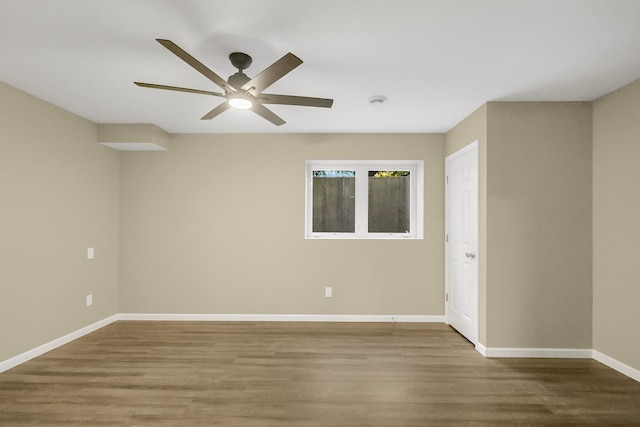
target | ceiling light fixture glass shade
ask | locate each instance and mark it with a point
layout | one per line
(240, 102)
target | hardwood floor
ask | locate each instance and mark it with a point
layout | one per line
(304, 374)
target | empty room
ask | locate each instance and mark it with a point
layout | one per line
(319, 213)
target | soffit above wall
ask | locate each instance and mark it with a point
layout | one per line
(133, 137)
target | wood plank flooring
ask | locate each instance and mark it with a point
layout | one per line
(304, 374)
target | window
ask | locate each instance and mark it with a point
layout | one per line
(364, 199)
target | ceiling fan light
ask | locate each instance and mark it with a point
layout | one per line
(240, 103)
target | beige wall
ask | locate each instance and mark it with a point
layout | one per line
(534, 209)
(539, 246)
(473, 128)
(616, 226)
(200, 228)
(59, 196)
(216, 225)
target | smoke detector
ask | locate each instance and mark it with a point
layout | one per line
(377, 101)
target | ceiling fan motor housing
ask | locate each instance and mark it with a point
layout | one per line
(238, 79)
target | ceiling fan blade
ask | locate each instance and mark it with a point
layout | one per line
(199, 66)
(216, 111)
(264, 112)
(272, 74)
(295, 100)
(178, 89)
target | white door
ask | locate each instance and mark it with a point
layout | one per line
(461, 241)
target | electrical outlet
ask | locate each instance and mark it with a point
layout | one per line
(89, 253)
(328, 292)
(89, 300)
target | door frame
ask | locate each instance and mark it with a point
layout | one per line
(475, 145)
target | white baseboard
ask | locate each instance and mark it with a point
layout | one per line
(556, 353)
(40, 350)
(563, 353)
(281, 317)
(617, 365)
(481, 349)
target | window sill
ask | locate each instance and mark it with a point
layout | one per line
(363, 237)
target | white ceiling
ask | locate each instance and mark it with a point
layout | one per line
(435, 60)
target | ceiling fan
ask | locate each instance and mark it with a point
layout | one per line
(241, 91)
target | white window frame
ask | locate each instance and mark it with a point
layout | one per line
(416, 191)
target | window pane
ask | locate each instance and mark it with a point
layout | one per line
(389, 202)
(334, 202)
